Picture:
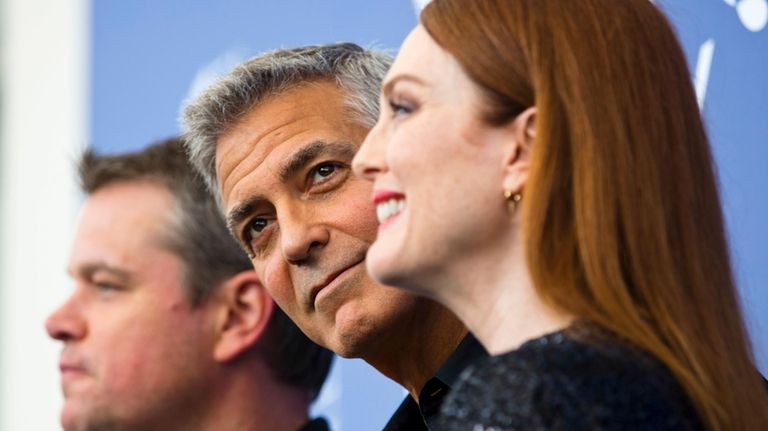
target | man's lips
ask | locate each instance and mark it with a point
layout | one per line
(71, 367)
(70, 371)
(329, 281)
(69, 362)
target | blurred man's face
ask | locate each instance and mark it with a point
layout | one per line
(291, 199)
(136, 354)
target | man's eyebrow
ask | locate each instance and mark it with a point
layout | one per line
(386, 89)
(87, 270)
(299, 160)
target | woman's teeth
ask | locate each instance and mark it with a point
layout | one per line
(389, 208)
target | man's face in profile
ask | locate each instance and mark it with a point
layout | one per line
(136, 354)
(291, 199)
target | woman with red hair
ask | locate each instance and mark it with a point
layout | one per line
(541, 168)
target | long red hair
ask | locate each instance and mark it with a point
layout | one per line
(621, 215)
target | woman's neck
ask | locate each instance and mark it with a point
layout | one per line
(496, 300)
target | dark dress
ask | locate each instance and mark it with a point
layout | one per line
(576, 379)
(316, 424)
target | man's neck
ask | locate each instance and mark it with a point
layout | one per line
(420, 347)
(255, 401)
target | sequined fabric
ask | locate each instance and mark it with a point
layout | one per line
(568, 381)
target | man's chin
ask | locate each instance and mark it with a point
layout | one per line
(350, 346)
(77, 417)
(353, 351)
(354, 334)
(72, 419)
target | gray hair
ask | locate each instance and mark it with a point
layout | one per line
(357, 70)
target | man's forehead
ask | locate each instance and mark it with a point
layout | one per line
(320, 103)
(95, 250)
(265, 140)
(121, 221)
(263, 160)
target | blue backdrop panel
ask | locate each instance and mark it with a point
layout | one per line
(148, 56)
(727, 47)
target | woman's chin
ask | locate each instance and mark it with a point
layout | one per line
(396, 270)
(383, 265)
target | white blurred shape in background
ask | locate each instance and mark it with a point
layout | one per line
(43, 123)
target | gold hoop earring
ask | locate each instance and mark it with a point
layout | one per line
(512, 200)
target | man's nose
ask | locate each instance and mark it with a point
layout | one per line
(301, 234)
(66, 322)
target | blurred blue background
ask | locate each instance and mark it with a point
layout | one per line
(148, 56)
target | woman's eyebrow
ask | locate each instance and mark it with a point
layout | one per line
(386, 89)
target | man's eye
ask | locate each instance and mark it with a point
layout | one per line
(323, 172)
(254, 235)
(105, 287)
(256, 226)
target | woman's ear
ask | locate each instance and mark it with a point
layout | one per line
(245, 313)
(522, 133)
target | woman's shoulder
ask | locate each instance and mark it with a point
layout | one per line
(567, 381)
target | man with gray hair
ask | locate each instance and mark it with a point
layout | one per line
(168, 326)
(274, 139)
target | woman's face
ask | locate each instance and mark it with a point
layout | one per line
(438, 172)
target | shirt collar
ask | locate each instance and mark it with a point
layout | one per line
(434, 391)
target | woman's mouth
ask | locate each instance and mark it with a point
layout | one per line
(389, 209)
(389, 205)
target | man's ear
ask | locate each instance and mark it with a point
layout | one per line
(245, 312)
(522, 133)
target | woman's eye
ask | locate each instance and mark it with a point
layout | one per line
(399, 109)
